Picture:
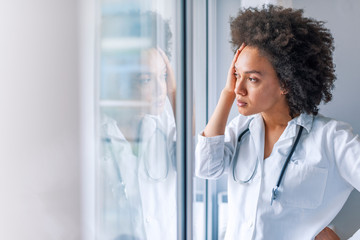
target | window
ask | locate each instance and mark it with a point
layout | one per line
(137, 178)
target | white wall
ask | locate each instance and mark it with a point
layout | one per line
(39, 124)
(88, 42)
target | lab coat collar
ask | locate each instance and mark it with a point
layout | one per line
(110, 129)
(256, 123)
(257, 128)
(305, 120)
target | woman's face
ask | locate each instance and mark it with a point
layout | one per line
(153, 88)
(257, 86)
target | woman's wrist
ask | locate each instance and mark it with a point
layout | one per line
(228, 93)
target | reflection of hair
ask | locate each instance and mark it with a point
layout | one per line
(158, 30)
(299, 48)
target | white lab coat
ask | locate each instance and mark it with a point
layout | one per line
(323, 171)
(149, 212)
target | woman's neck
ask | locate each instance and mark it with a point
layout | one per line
(276, 120)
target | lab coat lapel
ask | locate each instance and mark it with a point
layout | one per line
(257, 130)
(291, 131)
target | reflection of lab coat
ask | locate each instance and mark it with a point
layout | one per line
(119, 216)
(154, 206)
(158, 197)
(323, 171)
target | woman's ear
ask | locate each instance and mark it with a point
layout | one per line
(283, 91)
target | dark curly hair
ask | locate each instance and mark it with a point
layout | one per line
(299, 48)
(154, 26)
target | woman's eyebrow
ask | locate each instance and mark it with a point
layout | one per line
(251, 71)
(254, 71)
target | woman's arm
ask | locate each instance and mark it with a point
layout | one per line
(216, 125)
(345, 145)
(212, 153)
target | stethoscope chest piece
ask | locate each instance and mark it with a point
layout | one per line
(274, 194)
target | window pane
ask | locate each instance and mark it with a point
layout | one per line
(137, 165)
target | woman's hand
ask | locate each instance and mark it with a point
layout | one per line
(231, 79)
(327, 234)
(170, 81)
(217, 123)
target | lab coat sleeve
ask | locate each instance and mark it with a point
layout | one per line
(346, 147)
(213, 154)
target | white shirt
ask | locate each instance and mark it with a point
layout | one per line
(320, 176)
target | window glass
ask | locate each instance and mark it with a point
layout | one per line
(136, 185)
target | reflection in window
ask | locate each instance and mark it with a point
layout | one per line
(137, 167)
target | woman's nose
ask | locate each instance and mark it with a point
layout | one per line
(240, 87)
(159, 88)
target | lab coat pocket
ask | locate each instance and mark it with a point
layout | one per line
(303, 186)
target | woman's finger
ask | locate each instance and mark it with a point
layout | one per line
(237, 54)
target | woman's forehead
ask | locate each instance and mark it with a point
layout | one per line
(251, 59)
(152, 61)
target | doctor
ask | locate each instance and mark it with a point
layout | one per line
(290, 170)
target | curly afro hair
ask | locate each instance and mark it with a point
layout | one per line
(299, 48)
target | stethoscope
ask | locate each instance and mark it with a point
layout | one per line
(120, 186)
(145, 153)
(275, 190)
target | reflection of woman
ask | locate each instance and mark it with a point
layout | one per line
(156, 82)
(291, 170)
(146, 191)
(157, 174)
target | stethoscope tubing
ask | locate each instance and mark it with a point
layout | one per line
(142, 155)
(235, 160)
(275, 189)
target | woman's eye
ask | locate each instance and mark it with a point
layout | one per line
(144, 79)
(236, 75)
(252, 79)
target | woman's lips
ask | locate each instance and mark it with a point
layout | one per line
(241, 104)
(159, 102)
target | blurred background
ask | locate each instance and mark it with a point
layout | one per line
(99, 102)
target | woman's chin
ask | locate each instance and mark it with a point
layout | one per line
(156, 110)
(246, 112)
(243, 112)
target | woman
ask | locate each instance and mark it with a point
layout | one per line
(290, 170)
